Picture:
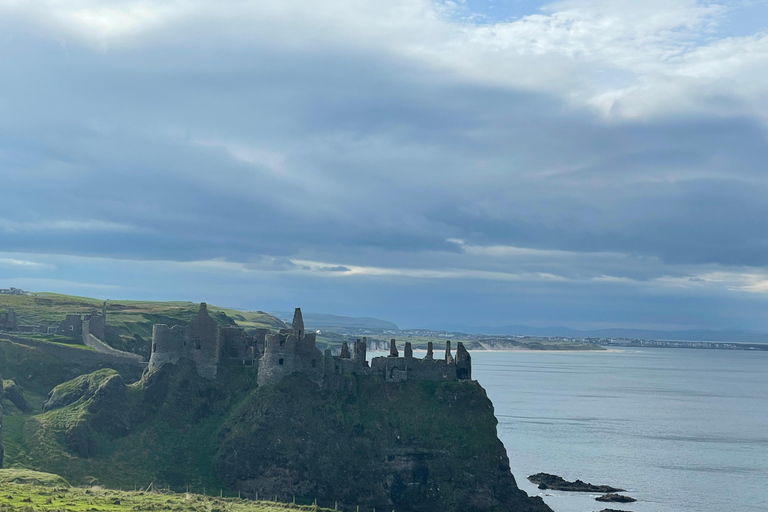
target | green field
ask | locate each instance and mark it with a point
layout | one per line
(137, 317)
(130, 322)
(31, 491)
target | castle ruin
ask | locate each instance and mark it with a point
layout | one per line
(8, 321)
(77, 326)
(279, 354)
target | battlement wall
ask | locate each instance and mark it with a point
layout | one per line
(395, 368)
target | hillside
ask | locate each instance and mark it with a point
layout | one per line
(130, 322)
(414, 445)
(324, 321)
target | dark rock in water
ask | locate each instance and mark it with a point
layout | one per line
(615, 498)
(554, 482)
(614, 510)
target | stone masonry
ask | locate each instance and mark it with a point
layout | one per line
(8, 321)
(279, 354)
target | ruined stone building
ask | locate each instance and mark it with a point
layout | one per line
(96, 324)
(278, 354)
(8, 321)
(71, 326)
(77, 326)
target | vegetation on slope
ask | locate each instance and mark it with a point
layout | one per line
(51, 308)
(28, 491)
(130, 322)
(413, 445)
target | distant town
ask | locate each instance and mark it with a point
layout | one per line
(500, 342)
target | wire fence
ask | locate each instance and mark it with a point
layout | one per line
(303, 502)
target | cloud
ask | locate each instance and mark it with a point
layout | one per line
(613, 146)
(53, 226)
(25, 264)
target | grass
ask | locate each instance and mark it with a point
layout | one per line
(132, 317)
(129, 322)
(46, 492)
(36, 478)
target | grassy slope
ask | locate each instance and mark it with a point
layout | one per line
(172, 437)
(43, 492)
(136, 317)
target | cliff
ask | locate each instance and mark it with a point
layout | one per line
(407, 446)
(414, 445)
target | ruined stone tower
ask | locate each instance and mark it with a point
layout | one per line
(289, 351)
(280, 354)
(197, 341)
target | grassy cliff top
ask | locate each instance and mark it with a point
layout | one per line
(51, 492)
(137, 317)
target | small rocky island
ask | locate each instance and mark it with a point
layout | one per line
(615, 498)
(557, 483)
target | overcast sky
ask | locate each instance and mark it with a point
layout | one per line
(439, 164)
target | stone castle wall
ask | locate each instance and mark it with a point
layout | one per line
(288, 351)
(198, 341)
(72, 326)
(8, 321)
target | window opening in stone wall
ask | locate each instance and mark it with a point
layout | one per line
(314, 363)
(280, 362)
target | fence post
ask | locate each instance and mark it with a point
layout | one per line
(238, 495)
(257, 495)
(221, 492)
(294, 499)
(275, 498)
(336, 505)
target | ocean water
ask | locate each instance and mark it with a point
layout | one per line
(682, 430)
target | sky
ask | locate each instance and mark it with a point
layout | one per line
(585, 163)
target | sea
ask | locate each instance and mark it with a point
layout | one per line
(682, 430)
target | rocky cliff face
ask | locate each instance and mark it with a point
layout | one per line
(408, 446)
(415, 445)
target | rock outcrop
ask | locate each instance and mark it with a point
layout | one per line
(615, 498)
(557, 483)
(14, 394)
(408, 446)
(98, 404)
